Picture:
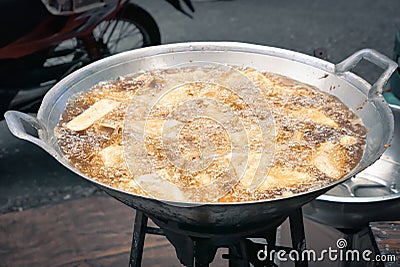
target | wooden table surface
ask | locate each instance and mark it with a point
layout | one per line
(95, 231)
(387, 239)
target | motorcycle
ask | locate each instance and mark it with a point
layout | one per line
(49, 40)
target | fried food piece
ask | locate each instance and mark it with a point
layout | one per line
(331, 159)
(278, 177)
(112, 156)
(92, 114)
(314, 115)
(157, 187)
(348, 140)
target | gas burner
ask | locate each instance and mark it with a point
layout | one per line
(197, 246)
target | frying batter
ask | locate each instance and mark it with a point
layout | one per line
(317, 139)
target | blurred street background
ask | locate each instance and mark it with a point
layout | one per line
(29, 177)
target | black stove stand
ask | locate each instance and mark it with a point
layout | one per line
(196, 249)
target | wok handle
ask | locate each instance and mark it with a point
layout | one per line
(382, 61)
(15, 119)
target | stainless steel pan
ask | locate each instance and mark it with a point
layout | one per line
(349, 88)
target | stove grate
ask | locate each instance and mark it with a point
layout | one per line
(199, 251)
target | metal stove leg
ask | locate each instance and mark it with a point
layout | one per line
(271, 240)
(184, 247)
(350, 236)
(245, 256)
(271, 245)
(297, 234)
(350, 240)
(204, 252)
(139, 232)
(238, 256)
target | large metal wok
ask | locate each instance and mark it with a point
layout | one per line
(335, 79)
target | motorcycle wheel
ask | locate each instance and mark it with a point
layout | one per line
(132, 28)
